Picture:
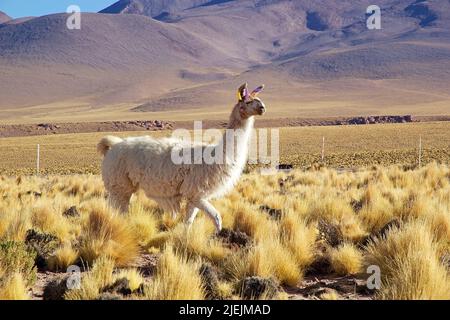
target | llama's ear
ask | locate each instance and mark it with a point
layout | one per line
(257, 91)
(243, 92)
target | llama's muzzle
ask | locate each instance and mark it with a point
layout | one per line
(262, 110)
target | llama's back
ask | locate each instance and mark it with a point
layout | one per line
(146, 162)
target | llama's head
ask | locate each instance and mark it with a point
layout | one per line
(249, 104)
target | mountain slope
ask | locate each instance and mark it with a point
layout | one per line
(4, 17)
(311, 67)
(156, 8)
(316, 58)
(109, 54)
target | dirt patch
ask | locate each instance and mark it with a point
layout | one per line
(109, 296)
(395, 223)
(234, 238)
(257, 287)
(147, 263)
(356, 205)
(55, 288)
(320, 266)
(210, 281)
(44, 244)
(48, 286)
(71, 212)
(382, 233)
(120, 286)
(273, 213)
(347, 288)
(330, 233)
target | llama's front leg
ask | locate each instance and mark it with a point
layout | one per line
(120, 192)
(191, 213)
(120, 201)
(211, 212)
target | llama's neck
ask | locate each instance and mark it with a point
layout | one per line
(236, 122)
(237, 135)
(236, 138)
(239, 124)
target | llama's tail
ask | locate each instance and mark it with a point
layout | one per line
(107, 143)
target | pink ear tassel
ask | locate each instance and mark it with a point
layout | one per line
(258, 90)
(245, 93)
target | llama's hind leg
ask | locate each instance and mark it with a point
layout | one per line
(191, 213)
(211, 212)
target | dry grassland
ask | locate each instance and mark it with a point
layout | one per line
(318, 223)
(346, 146)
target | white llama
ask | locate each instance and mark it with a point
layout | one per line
(146, 163)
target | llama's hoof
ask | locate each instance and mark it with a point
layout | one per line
(218, 225)
(218, 231)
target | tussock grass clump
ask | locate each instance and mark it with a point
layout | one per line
(159, 241)
(13, 287)
(253, 222)
(15, 224)
(439, 224)
(198, 241)
(134, 277)
(63, 257)
(338, 211)
(16, 257)
(330, 294)
(299, 238)
(410, 264)
(92, 282)
(266, 259)
(47, 220)
(143, 223)
(177, 278)
(346, 259)
(107, 234)
(225, 290)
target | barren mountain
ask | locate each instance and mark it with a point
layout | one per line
(157, 8)
(316, 57)
(4, 17)
(109, 55)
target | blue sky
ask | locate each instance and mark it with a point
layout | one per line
(24, 8)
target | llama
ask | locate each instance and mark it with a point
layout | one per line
(146, 163)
